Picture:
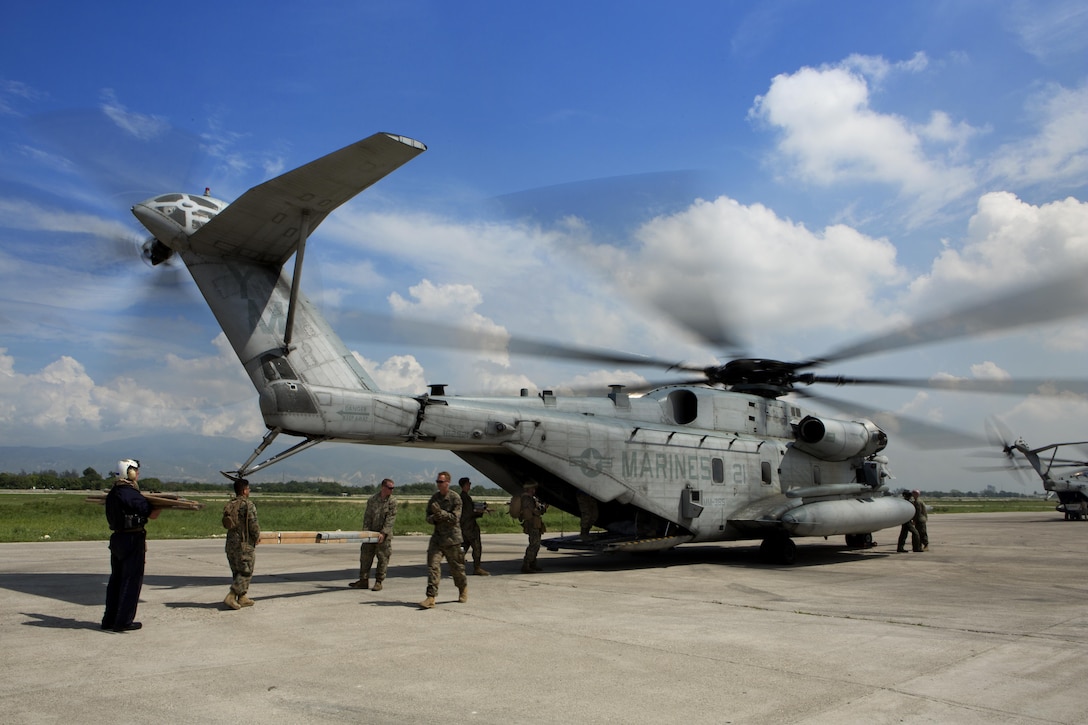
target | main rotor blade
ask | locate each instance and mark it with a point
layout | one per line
(1054, 299)
(1038, 386)
(382, 328)
(920, 433)
(612, 209)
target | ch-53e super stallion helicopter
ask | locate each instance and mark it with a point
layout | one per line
(714, 458)
(1066, 478)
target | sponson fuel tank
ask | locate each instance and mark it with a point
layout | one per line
(850, 516)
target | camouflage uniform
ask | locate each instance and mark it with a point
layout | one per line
(921, 516)
(444, 511)
(379, 516)
(532, 523)
(908, 527)
(470, 531)
(242, 548)
(587, 509)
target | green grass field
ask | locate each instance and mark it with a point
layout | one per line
(65, 516)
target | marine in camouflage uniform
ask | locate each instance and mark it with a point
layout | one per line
(908, 527)
(587, 510)
(470, 528)
(444, 512)
(532, 523)
(921, 519)
(241, 547)
(380, 515)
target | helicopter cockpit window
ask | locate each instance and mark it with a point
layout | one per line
(203, 202)
(171, 198)
(683, 406)
(178, 215)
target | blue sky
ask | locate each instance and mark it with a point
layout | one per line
(814, 171)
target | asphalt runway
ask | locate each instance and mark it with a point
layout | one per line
(989, 626)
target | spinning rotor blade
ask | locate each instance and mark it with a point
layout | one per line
(999, 435)
(1038, 386)
(380, 328)
(134, 325)
(1054, 299)
(920, 433)
(612, 208)
(127, 157)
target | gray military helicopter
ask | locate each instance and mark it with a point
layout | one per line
(1066, 478)
(717, 456)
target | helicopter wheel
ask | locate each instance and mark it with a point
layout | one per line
(859, 541)
(778, 550)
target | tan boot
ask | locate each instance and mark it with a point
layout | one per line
(480, 571)
(231, 600)
(525, 569)
(463, 595)
(363, 583)
(377, 587)
(427, 603)
(245, 601)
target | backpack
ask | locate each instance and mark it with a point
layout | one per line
(515, 506)
(232, 513)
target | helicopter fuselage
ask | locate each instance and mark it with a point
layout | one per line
(680, 463)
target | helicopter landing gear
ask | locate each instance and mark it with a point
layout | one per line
(778, 549)
(859, 541)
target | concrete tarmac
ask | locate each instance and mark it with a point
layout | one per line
(989, 626)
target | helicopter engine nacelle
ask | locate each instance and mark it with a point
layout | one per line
(839, 440)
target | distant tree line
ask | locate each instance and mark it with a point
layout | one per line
(92, 480)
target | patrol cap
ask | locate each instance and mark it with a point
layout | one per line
(529, 484)
(463, 480)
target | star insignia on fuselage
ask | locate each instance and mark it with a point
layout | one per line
(592, 462)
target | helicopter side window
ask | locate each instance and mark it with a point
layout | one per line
(765, 471)
(717, 470)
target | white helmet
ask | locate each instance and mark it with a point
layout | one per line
(126, 463)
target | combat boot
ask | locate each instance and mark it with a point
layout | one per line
(463, 595)
(427, 603)
(535, 567)
(245, 601)
(363, 583)
(480, 571)
(525, 569)
(231, 600)
(377, 586)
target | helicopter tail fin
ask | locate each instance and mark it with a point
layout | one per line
(237, 255)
